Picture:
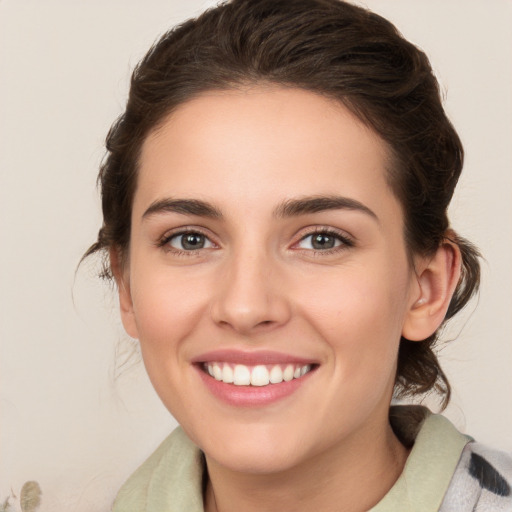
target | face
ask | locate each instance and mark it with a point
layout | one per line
(267, 250)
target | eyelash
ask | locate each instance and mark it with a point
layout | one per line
(164, 242)
(346, 241)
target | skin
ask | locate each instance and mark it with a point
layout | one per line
(259, 284)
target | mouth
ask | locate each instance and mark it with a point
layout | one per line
(253, 379)
(258, 375)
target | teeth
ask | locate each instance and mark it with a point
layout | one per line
(259, 375)
(241, 375)
(288, 373)
(217, 372)
(276, 375)
(227, 374)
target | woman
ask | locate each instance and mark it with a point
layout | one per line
(274, 202)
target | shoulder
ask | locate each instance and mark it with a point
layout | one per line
(482, 481)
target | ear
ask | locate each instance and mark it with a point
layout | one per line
(121, 274)
(437, 279)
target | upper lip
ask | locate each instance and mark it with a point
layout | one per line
(250, 358)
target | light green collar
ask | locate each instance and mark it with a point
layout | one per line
(429, 467)
(171, 480)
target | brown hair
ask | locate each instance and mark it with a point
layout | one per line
(332, 48)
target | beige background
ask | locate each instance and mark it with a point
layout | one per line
(67, 421)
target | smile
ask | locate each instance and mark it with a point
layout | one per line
(255, 375)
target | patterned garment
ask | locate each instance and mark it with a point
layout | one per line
(482, 482)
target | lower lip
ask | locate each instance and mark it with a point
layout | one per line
(251, 396)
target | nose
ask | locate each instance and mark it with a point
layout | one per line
(251, 296)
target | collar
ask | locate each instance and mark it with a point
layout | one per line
(171, 480)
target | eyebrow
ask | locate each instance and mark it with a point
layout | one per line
(289, 208)
(183, 206)
(315, 204)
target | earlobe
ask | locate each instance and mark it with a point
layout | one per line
(122, 278)
(437, 279)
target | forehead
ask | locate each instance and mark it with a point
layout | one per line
(263, 142)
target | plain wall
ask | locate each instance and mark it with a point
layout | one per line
(71, 419)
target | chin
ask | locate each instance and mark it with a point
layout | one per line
(256, 460)
(253, 449)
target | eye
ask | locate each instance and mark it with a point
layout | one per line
(189, 241)
(323, 241)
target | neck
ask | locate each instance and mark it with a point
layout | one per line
(350, 478)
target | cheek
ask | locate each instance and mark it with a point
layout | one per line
(356, 301)
(359, 314)
(167, 307)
